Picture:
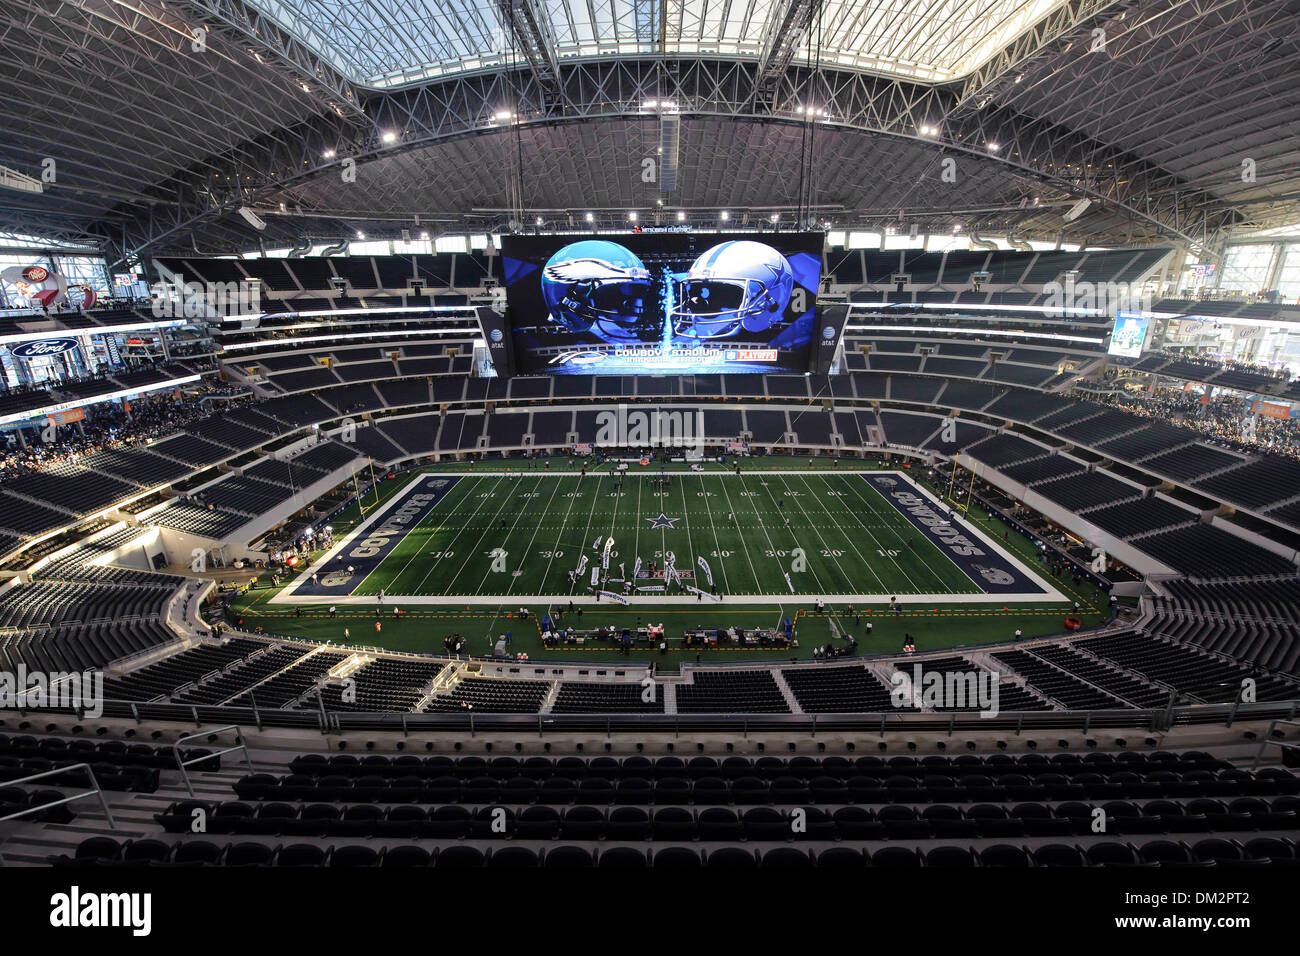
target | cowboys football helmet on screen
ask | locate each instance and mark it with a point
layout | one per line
(600, 287)
(736, 285)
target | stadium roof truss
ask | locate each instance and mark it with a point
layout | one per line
(169, 143)
(394, 43)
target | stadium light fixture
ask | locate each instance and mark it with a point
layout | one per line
(252, 218)
(361, 235)
(632, 215)
(591, 217)
(328, 154)
(994, 147)
(681, 216)
(724, 215)
(388, 136)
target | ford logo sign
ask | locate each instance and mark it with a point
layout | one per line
(43, 348)
(495, 335)
(828, 333)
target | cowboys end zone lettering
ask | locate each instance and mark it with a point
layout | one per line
(369, 546)
(988, 569)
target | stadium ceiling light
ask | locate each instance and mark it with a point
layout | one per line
(424, 236)
(502, 115)
(776, 216)
(591, 217)
(328, 154)
(12, 179)
(681, 216)
(724, 215)
(994, 147)
(361, 235)
(539, 220)
(632, 215)
(389, 136)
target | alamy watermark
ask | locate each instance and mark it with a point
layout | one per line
(87, 909)
(179, 299)
(80, 690)
(641, 428)
(946, 690)
(1096, 298)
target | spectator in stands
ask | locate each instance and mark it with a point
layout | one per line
(1219, 420)
(107, 425)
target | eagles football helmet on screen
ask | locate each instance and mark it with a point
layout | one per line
(735, 285)
(600, 287)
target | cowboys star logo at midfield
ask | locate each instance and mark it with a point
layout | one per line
(663, 521)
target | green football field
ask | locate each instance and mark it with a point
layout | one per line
(493, 538)
(852, 541)
(440, 571)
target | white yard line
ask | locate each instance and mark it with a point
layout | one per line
(459, 532)
(582, 546)
(871, 508)
(717, 547)
(419, 550)
(560, 534)
(690, 545)
(849, 538)
(636, 525)
(780, 514)
(529, 548)
(505, 499)
(744, 545)
(829, 550)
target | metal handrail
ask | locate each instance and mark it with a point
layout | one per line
(181, 765)
(1268, 740)
(59, 771)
